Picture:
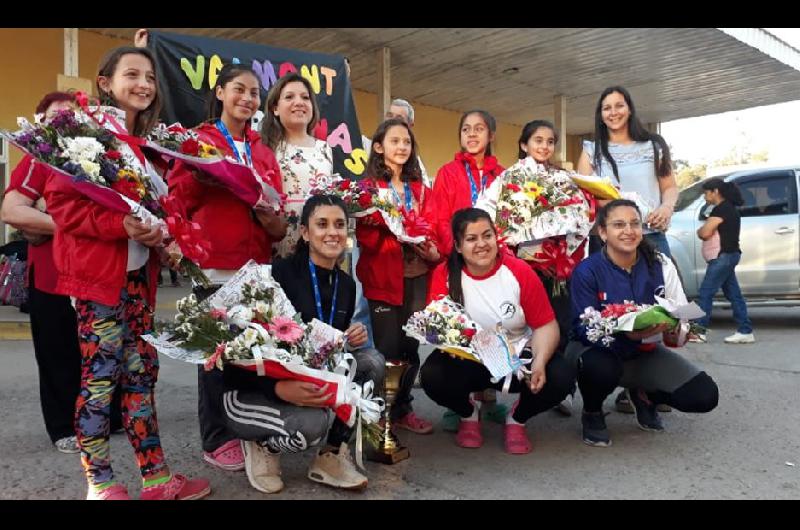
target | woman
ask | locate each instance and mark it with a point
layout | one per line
(458, 185)
(628, 268)
(107, 261)
(54, 329)
(236, 232)
(395, 275)
(495, 287)
(721, 271)
(286, 416)
(290, 116)
(636, 160)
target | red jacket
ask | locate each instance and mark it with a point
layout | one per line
(452, 192)
(380, 262)
(90, 247)
(228, 223)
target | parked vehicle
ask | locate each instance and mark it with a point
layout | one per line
(769, 271)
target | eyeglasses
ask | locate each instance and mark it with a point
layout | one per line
(620, 225)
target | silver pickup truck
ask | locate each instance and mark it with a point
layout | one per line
(769, 271)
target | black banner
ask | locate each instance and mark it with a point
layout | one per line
(188, 67)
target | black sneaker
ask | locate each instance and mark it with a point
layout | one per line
(595, 432)
(624, 404)
(646, 414)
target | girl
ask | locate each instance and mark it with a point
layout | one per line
(106, 262)
(458, 185)
(237, 233)
(628, 268)
(288, 416)
(289, 119)
(394, 275)
(495, 287)
(53, 327)
(724, 222)
(638, 161)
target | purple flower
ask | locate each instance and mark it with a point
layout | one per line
(432, 337)
(44, 148)
(25, 138)
(108, 170)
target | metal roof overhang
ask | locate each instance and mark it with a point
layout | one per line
(515, 74)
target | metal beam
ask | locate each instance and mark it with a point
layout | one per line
(384, 82)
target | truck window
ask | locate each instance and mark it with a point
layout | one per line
(768, 195)
(688, 195)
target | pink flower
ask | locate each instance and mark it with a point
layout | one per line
(219, 313)
(285, 329)
(215, 358)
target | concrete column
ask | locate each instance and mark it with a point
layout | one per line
(654, 127)
(384, 82)
(71, 52)
(560, 121)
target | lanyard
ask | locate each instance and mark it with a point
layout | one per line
(248, 155)
(407, 190)
(472, 186)
(318, 298)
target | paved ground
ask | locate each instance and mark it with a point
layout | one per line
(742, 450)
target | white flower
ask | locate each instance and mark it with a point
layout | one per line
(262, 308)
(240, 316)
(82, 148)
(453, 336)
(250, 337)
(91, 168)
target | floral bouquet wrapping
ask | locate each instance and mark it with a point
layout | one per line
(445, 324)
(176, 142)
(601, 325)
(600, 187)
(249, 322)
(103, 166)
(363, 198)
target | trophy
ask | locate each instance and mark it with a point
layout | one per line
(389, 450)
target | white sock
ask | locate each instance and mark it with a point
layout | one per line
(475, 412)
(509, 419)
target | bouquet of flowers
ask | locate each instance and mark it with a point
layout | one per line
(103, 166)
(363, 198)
(551, 257)
(601, 325)
(531, 202)
(445, 324)
(249, 322)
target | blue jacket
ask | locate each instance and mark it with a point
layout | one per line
(597, 281)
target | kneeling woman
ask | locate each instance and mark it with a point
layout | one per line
(495, 287)
(629, 268)
(275, 417)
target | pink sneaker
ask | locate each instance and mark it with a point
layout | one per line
(117, 492)
(179, 488)
(412, 422)
(517, 441)
(228, 456)
(469, 434)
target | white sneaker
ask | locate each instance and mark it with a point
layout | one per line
(565, 407)
(741, 338)
(68, 445)
(337, 470)
(262, 467)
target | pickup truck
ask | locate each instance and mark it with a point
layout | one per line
(769, 271)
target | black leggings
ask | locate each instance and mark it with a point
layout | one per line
(392, 341)
(449, 381)
(665, 376)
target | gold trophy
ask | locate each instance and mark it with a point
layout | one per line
(389, 450)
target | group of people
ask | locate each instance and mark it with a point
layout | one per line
(93, 274)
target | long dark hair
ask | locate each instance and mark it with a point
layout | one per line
(729, 190)
(455, 263)
(662, 160)
(529, 129)
(645, 248)
(273, 133)
(376, 165)
(146, 119)
(488, 119)
(228, 73)
(315, 201)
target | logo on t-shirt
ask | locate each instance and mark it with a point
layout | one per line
(508, 310)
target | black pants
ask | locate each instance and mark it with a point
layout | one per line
(392, 341)
(54, 329)
(449, 381)
(664, 375)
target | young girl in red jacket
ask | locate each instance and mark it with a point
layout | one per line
(236, 232)
(458, 185)
(106, 261)
(394, 275)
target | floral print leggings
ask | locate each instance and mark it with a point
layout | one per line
(112, 353)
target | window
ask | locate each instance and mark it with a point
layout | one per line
(773, 193)
(688, 195)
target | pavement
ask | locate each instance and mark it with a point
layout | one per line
(747, 448)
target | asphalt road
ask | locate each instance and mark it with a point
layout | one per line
(748, 448)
